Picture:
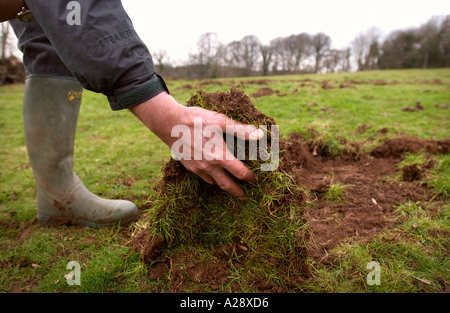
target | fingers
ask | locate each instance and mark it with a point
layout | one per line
(221, 173)
(240, 130)
(227, 183)
(207, 178)
(227, 124)
(239, 170)
(221, 165)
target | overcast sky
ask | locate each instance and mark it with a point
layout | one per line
(175, 25)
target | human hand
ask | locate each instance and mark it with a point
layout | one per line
(207, 155)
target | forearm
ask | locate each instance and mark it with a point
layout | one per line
(9, 9)
(160, 114)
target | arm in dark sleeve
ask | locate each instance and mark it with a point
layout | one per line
(97, 42)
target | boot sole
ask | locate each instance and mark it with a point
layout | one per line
(59, 221)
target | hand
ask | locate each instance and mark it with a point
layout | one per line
(162, 113)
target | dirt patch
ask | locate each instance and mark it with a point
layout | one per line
(364, 207)
(254, 82)
(417, 107)
(346, 85)
(443, 106)
(149, 246)
(378, 82)
(326, 84)
(430, 82)
(266, 91)
(396, 147)
(186, 87)
(369, 196)
(210, 82)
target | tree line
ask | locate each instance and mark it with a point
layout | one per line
(427, 46)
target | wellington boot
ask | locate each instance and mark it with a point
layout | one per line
(50, 115)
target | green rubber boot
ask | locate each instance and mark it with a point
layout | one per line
(50, 115)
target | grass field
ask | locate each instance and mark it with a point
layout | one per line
(117, 157)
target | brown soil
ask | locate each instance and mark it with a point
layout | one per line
(417, 107)
(366, 208)
(326, 84)
(370, 196)
(210, 82)
(396, 147)
(254, 82)
(266, 91)
(186, 86)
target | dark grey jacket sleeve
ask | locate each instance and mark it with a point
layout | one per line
(97, 42)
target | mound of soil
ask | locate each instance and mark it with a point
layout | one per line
(417, 107)
(396, 147)
(189, 212)
(254, 82)
(367, 207)
(210, 82)
(326, 84)
(266, 91)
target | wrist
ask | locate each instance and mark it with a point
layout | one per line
(160, 114)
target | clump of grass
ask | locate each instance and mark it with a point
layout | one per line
(418, 159)
(328, 145)
(336, 192)
(440, 176)
(413, 166)
(267, 225)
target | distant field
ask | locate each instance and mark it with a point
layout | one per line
(335, 115)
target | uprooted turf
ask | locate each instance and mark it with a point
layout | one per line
(269, 225)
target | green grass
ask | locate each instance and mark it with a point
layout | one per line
(440, 176)
(116, 157)
(416, 249)
(335, 192)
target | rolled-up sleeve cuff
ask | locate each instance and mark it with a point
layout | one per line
(134, 97)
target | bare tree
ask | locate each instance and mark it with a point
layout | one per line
(366, 49)
(206, 58)
(284, 50)
(320, 43)
(430, 35)
(289, 52)
(250, 50)
(346, 54)
(160, 57)
(244, 53)
(301, 46)
(281, 54)
(444, 44)
(5, 37)
(266, 54)
(233, 55)
(331, 60)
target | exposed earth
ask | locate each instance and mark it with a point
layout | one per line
(372, 186)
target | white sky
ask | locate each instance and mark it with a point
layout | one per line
(175, 25)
